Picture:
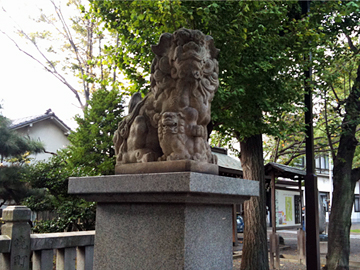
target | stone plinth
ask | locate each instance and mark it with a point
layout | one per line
(163, 221)
(167, 166)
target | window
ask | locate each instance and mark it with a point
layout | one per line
(300, 162)
(325, 200)
(357, 203)
(322, 164)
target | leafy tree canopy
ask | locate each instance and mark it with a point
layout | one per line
(261, 43)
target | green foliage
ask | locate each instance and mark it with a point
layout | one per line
(74, 214)
(259, 65)
(338, 75)
(14, 149)
(12, 187)
(90, 153)
(337, 59)
(91, 145)
(52, 177)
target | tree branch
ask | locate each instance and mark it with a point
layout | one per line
(332, 151)
(72, 43)
(274, 155)
(338, 109)
(53, 72)
(351, 44)
(116, 54)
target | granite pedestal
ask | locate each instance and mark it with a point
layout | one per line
(163, 221)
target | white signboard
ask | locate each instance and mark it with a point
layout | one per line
(285, 207)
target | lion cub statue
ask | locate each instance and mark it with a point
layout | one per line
(169, 123)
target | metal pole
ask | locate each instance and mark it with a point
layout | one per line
(274, 237)
(311, 190)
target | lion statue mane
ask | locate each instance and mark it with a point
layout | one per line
(169, 123)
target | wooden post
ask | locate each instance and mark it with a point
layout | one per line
(274, 237)
(301, 246)
(301, 202)
(273, 202)
(300, 233)
(272, 251)
(235, 238)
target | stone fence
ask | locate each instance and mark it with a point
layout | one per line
(20, 249)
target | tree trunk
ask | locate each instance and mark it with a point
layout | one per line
(342, 203)
(255, 248)
(340, 222)
(344, 181)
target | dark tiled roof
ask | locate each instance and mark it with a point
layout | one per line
(228, 162)
(22, 122)
(284, 171)
(228, 166)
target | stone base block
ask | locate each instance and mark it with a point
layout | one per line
(163, 221)
(167, 166)
(163, 237)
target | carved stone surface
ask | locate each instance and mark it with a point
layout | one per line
(170, 122)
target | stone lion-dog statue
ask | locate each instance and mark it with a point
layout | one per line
(169, 123)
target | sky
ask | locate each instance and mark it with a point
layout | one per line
(26, 89)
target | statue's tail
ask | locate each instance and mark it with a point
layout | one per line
(135, 99)
(122, 133)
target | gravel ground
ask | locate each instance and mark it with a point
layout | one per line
(290, 262)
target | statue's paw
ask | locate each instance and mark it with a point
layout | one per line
(199, 157)
(173, 156)
(149, 157)
(214, 159)
(178, 156)
(162, 158)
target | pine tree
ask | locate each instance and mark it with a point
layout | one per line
(14, 149)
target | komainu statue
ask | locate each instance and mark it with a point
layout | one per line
(169, 123)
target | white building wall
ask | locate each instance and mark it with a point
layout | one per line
(49, 134)
(325, 185)
(355, 217)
